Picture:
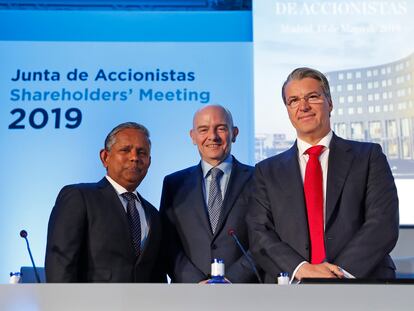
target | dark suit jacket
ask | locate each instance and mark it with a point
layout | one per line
(189, 242)
(361, 226)
(89, 238)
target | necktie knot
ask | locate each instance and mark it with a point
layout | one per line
(129, 196)
(216, 173)
(315, 151)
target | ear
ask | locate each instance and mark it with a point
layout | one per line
(192, 135)
(330, 107)
(235, 133)
(103, 154)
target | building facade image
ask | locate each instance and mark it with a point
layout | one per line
(370, 104)
(377, 104)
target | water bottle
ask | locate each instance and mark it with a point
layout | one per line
(217, 272)
(15, 278)
(283, 278)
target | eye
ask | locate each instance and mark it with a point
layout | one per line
(222, 128)
(202, 130)
(314, 97)
(293, 101)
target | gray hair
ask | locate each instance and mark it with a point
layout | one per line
(110, 139)
(305, 72)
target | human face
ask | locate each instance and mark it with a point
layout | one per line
(311, 118)
(213, 134)
(128, 160)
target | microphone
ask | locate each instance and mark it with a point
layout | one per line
(232, 233)
(23, 234)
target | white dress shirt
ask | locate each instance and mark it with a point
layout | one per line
(226, 167)
(323, 159)
(144, 225)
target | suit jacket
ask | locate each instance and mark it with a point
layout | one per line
(89, 238)
(361, 225)
(189, 242)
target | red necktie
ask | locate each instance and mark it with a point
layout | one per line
(314, 203)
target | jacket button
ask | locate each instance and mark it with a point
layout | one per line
(214, 246)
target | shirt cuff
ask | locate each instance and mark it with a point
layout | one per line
(292, 279)
(347, 275)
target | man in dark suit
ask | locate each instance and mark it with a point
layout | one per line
(106, 231)
(330, 211)
(200, 204)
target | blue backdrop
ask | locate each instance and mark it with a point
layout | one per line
(68, 77)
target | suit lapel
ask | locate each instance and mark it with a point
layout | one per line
(238, 178)
(150, 219)
(112, 199)
(339, 165)
(195, 201)
(291, 178)
(291, 182)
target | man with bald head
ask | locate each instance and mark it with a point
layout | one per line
(200, 204)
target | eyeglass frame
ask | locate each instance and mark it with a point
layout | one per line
(307, 99)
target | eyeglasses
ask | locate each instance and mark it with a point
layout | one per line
(311, 98)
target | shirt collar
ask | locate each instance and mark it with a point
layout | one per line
(225, 166)
(119, 189)
(303, 146)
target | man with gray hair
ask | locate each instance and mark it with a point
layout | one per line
(327, 207)
(106, 231)
(202, 203)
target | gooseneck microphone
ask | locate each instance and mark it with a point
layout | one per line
(232, 233)
(23, 234)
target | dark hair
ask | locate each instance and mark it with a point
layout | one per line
(110, 139)
(305, 72)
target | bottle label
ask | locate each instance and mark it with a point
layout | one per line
(283, 278)
(14, 278)
(217, 268)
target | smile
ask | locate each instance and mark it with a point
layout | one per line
(307, 117)
(213, 146)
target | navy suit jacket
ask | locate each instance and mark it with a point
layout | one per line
(361, 225)
(89, 238)
(189, 242)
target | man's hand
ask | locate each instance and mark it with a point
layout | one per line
(323, 270)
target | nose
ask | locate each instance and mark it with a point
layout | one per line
(133, 155)
(304, 104)
(212, 135)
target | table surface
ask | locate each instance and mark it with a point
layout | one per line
(126, 297)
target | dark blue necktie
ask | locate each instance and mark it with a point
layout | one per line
(134, 220)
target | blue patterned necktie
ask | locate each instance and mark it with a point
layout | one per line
(215, 199)
(134, 220)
